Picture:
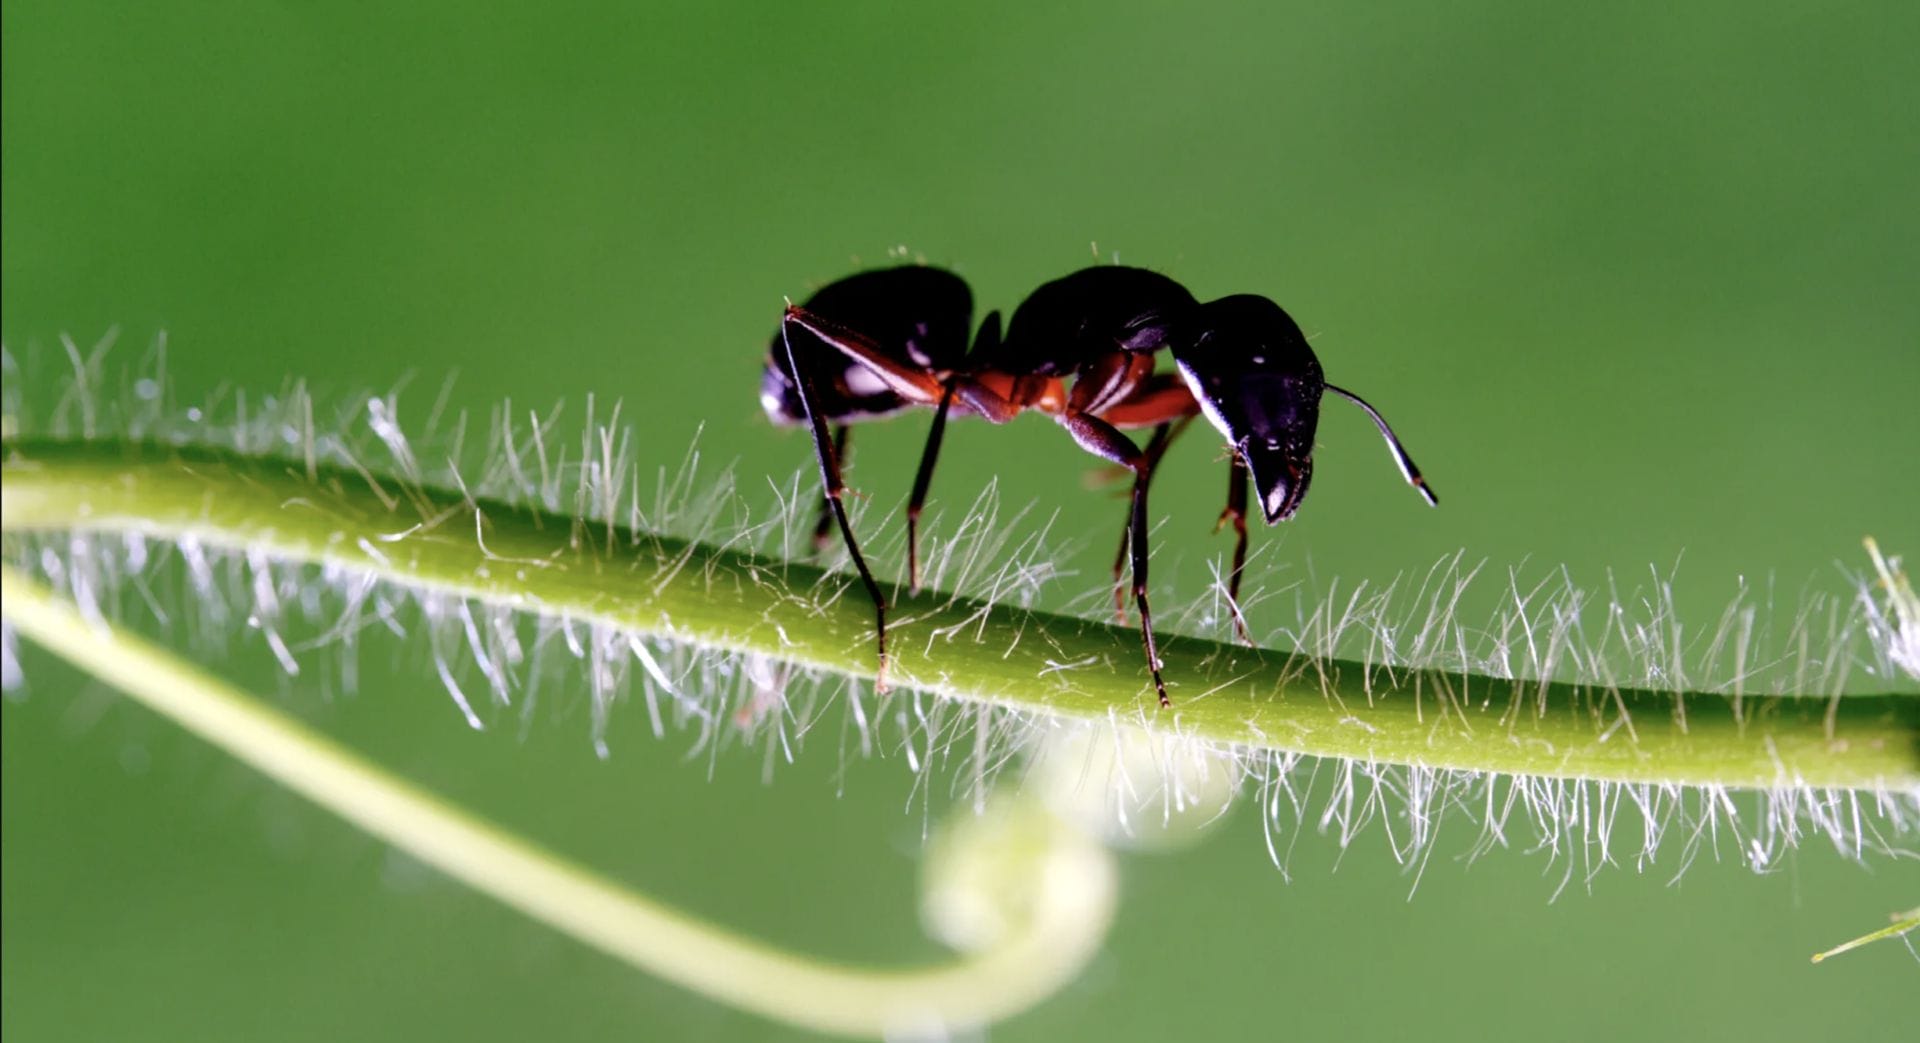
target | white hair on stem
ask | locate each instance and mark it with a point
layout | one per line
(1550, 643)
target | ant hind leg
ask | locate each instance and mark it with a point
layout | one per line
(823, 525)
(833, 487)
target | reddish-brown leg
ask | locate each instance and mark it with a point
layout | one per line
(1105, 441)
(1163, 436)
(1236, 512)
(911, 384)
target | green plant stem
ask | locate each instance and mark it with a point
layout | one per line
(1902, 923)
(1072, 883)
(441, 542)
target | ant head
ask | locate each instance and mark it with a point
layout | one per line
(1249, 367)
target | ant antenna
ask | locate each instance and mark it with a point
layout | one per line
(1407, 466)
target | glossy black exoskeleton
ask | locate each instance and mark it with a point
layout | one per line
(1081, 349)
(917, 317)
(1256, 380)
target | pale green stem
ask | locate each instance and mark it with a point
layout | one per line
(1069, 881)
(1902, 923)
(440, 542)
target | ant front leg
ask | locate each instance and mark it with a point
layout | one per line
(1104, 440)
(842, 437)
(1163, 436)
(1236, 512)
(834, 488)
(1164, 401)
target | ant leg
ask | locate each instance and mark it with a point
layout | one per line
(1236, 512)
(985, 340)
(903, 380)
(921, 480)
(987, 403)
(833, 488)
(1156, 448)
(1104, 440)
(1400, 457)
(842, 437)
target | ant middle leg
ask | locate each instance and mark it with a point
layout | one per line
(1163, 435)
(921, 480)
(1104, 440)
(998, 411)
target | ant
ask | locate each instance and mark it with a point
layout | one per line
(877, 342)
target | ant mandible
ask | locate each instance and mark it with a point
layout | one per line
(879, 341)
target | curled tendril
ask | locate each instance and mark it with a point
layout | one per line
(1026, 895)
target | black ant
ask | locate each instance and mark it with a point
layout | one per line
(877, 342)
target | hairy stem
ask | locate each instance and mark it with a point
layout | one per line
(716, 597)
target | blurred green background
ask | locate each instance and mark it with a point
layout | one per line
(1636, 283)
